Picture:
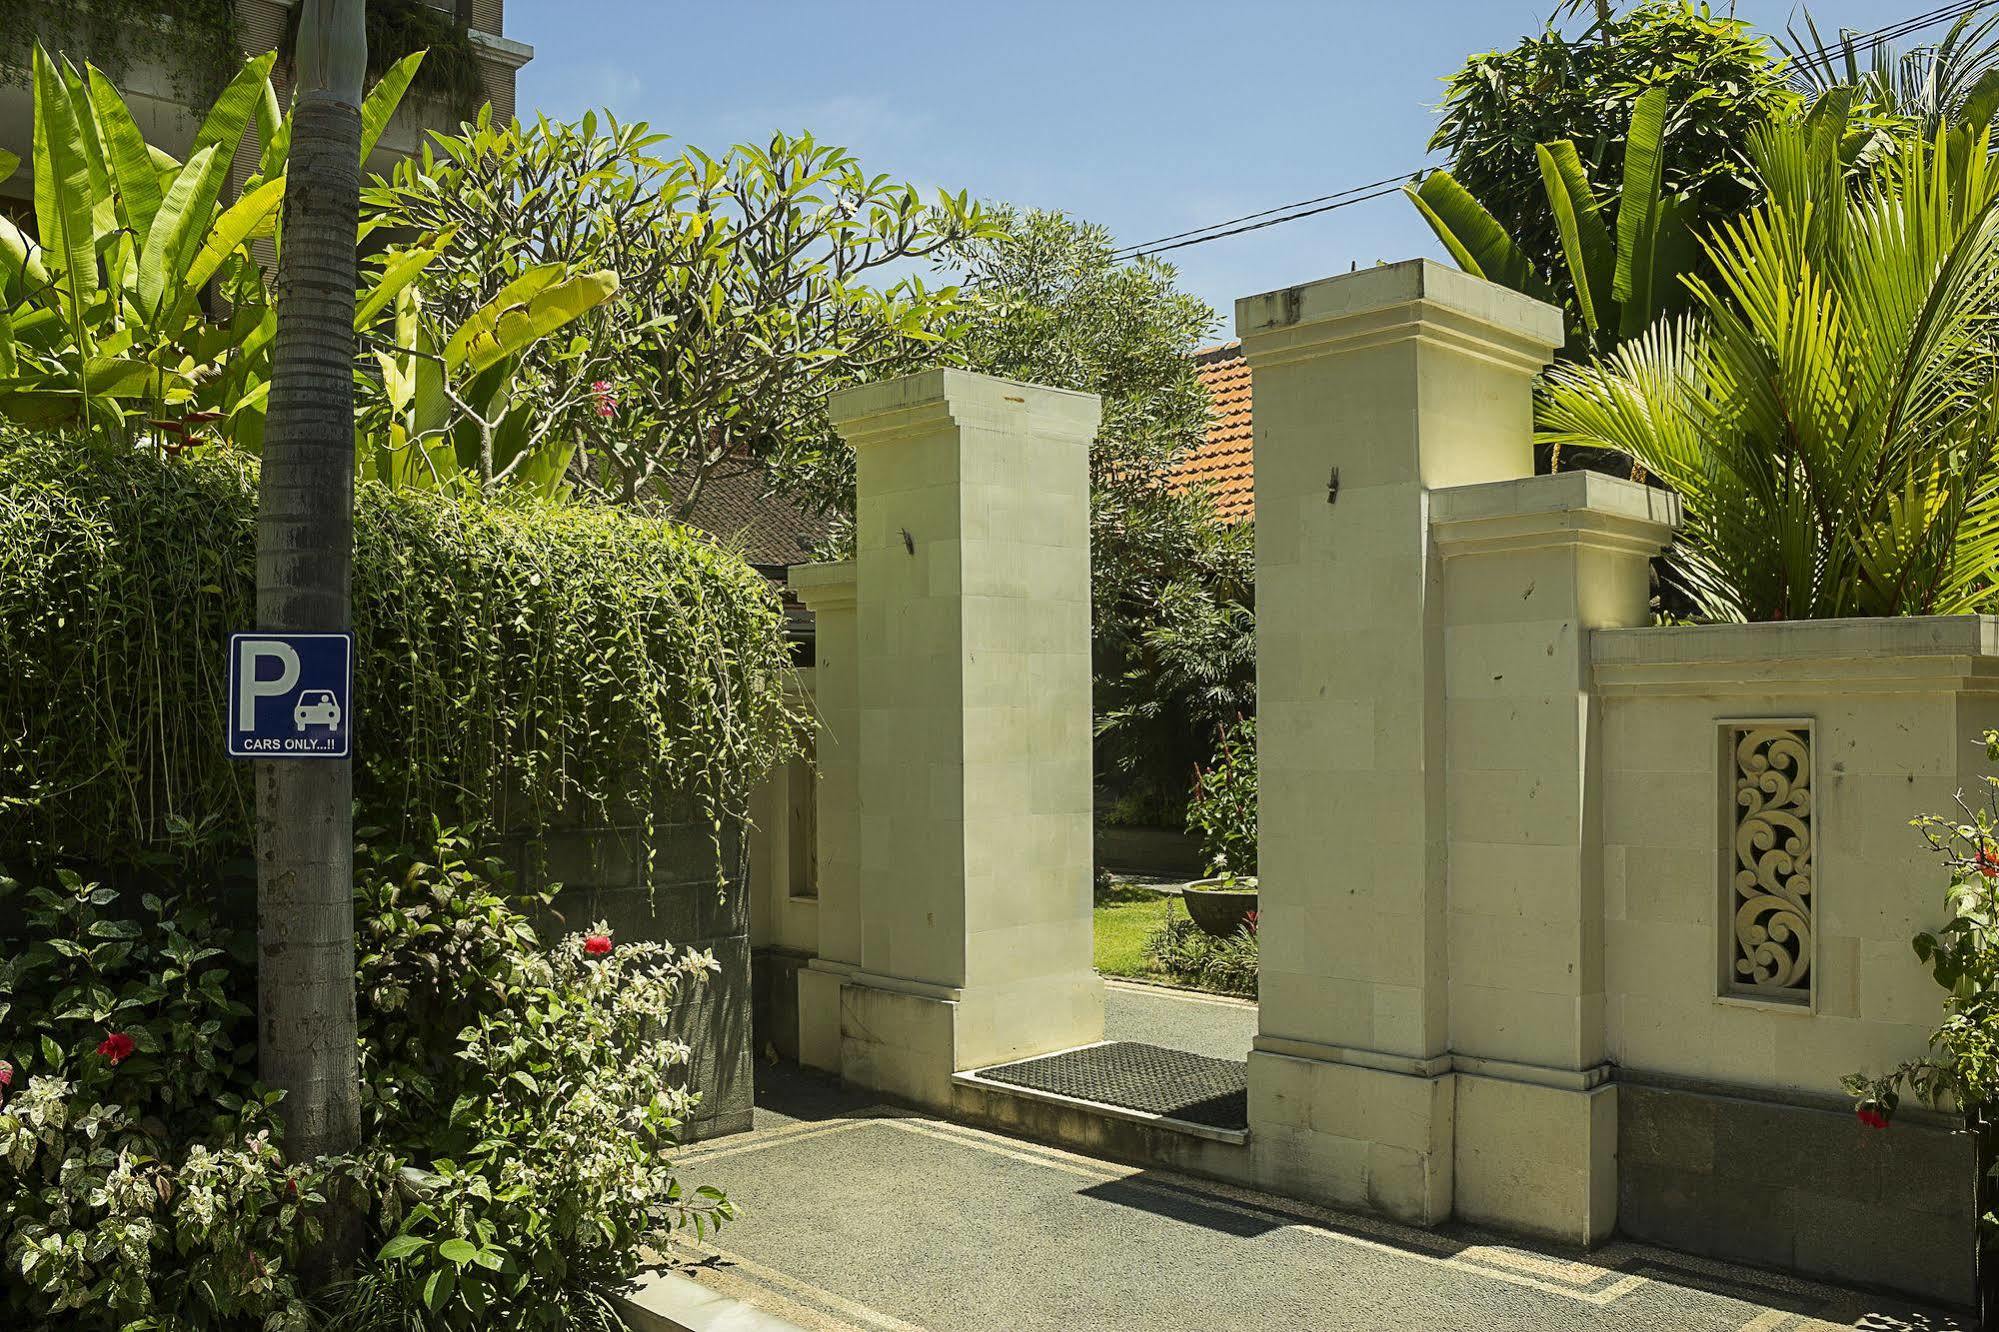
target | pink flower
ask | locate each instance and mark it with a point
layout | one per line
(6, 1079)
(1871, 1117)
(597, 945)
(607, 402)
(117, 1047)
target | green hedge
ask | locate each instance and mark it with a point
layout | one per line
(517, 664)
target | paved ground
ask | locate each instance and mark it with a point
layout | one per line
(866, 1219)
(1211, 1025)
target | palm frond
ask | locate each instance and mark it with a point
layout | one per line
(1829, 412)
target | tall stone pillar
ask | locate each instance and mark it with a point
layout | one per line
(1372, 390)
(1530, 568)
(973, 645)
(828, 591)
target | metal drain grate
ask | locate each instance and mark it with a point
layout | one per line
(1132, 1076)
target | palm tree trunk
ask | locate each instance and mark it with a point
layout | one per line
(305, 540)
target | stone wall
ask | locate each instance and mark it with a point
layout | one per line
(1791, 1181)
(1735, 1138)
(1572, 925)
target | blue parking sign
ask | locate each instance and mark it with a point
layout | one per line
(291, 695)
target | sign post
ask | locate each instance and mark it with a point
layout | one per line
(291, 696)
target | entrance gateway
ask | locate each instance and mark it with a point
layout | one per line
(1497, 819)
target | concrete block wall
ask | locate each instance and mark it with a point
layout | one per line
(784, 909)
(1494, 820)
(1796, 1183)
(1897, 707)
(1736, 1138)
(953, 924)
(605, 875)
(1373, 391)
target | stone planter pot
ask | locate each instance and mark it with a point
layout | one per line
(1218, 911)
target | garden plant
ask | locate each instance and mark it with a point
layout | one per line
(752, 285)
(104, 319)
(1710, 81)
(1961, 1073)
(519, 664)
(1173, 644)
(511, 1167)
(1190, 956)
(1828, 412)
(1222, 812)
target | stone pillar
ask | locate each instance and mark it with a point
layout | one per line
(1530, 568)
(973, 641)
(828, 591)
(1372, 390)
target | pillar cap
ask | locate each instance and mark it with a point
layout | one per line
(825, 586)
(1567, 508)
(876, 413)
(1418, 299)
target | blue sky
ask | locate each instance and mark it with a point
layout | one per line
(1149, 116)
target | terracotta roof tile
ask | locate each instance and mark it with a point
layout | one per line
(1224, 461)
(772, 531)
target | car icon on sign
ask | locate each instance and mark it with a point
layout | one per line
(315, 707)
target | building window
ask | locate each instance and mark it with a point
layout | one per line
(1768, 861)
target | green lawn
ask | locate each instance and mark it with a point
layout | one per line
(1126, 918)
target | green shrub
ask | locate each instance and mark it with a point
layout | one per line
(1173, 641)
(139, 1171)
(538, 1085)
(1961, 1071)
(517, 663)
(1192, 956)
(521, 1100)
(1721, 79)
(1222, 812)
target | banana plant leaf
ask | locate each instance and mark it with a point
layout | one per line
(527, 309)
(62, 185)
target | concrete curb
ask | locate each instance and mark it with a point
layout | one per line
(1182, 992)
(669, 1302)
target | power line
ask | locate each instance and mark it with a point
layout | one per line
(1155, 247)
(1281, 208)
(1358, 194)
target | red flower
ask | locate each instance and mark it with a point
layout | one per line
(117, 1047)
(597, 945)
(607, 402)
(1987, 863)
(1871, 1117)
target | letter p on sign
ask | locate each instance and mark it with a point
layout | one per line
(251, 653)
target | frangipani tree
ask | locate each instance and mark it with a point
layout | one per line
(1829, 410)
(751, 285)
